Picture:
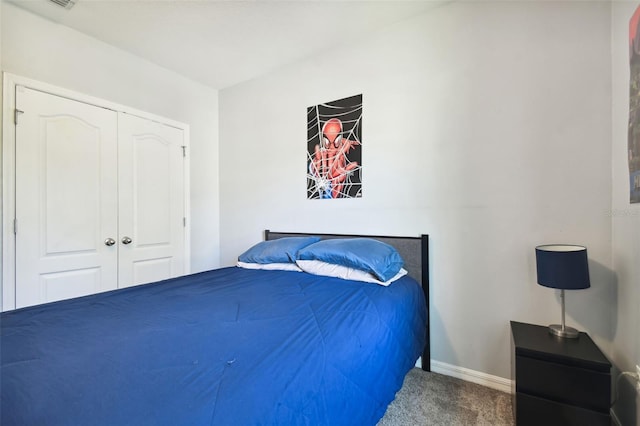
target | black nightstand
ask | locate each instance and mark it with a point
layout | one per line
(558, 381)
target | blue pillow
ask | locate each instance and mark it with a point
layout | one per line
(282, 250)
(366, 254)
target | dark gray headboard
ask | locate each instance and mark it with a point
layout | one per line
(414, 252)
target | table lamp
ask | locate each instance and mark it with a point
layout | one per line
(564, 267)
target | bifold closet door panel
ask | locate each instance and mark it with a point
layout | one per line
(151, 167)
(66, 198)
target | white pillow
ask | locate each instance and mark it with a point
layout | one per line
(270, 266)
(318, 267)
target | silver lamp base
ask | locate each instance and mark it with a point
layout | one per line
(563, 331)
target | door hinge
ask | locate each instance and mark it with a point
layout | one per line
(15, 226)
(184, 151)
(184, 221)
(16, 113)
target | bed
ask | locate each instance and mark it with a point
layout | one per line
(231, 346)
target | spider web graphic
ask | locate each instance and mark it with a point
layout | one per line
(334, 167)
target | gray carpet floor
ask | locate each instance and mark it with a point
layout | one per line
(434, 399)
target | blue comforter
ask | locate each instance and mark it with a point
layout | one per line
(224, 347)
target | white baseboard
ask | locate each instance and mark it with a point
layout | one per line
(488, 380)
(614, 418)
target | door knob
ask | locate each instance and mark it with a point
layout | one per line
(109, 242)
(126, 240)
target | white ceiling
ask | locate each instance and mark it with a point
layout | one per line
(223, 42)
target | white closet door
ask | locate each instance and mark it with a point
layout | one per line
(151, 201)
(66, 198)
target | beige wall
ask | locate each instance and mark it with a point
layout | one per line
(625, 221)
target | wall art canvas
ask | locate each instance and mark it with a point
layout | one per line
(334, 149)
(634, 108)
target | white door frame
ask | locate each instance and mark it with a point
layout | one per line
(10, 81)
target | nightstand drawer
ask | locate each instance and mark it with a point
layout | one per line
(563, 383)
(533, 411)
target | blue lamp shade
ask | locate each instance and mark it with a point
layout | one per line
(562, 266)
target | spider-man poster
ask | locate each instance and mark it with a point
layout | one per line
(334, 149)
(634, 108)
